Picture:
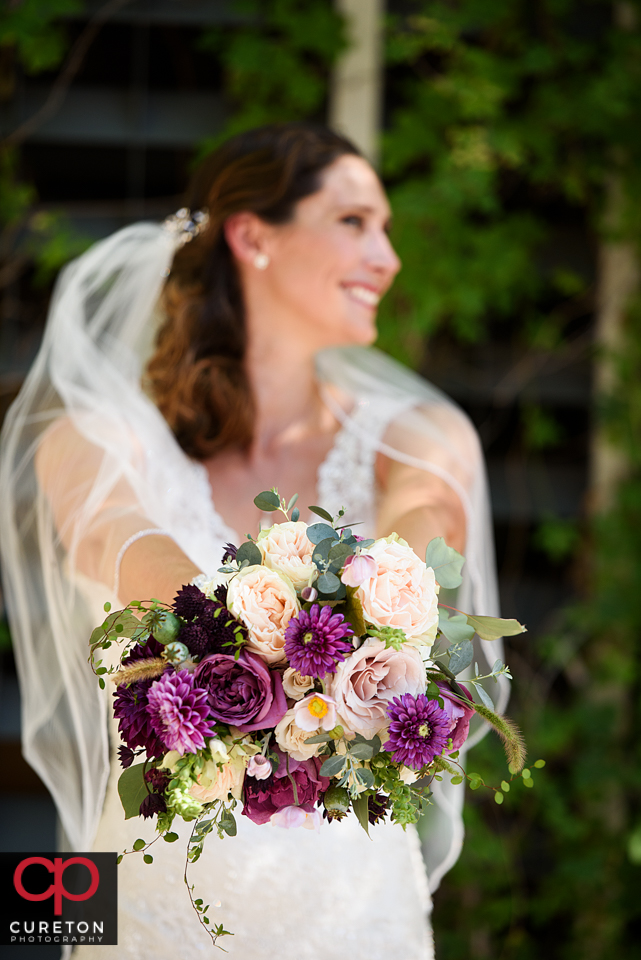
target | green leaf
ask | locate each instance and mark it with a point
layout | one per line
(484, 696)
(295, 514)
(228, 823)
(292, 502)
(457, 779)
(454, 627)
(361, 751)
(498, 797)
(139, 844)
(132, 790)
(328, 583)
(493, 628)
(461, 656)
(317, 532)
(360, 808)
(249, 552)
(107, 607)
(539, 764)
(333, 766)
(170, 837)
(319, 738)
(352, 610)
(321, 513)
(505, 787)
(446, 562)
(366, 777)
(526, 774)
(267, 501)
(148, 858)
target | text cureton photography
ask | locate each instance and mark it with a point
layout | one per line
(60, 898)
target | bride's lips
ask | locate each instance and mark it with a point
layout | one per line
(363, 294)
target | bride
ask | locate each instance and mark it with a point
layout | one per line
(186, 367)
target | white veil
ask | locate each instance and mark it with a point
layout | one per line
(87, 461)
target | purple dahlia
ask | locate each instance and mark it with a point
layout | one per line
(209, 626)
(418, 732)
(317, 640)
(131, 709)
(178, 711)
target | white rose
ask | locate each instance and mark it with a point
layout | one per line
(287, 548)
(403, 593)
(265, 601)
(291, 739)
(295, 684)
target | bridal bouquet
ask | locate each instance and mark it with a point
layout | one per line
(314, 676)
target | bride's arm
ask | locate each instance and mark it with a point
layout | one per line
(96, 518)
(418, 506)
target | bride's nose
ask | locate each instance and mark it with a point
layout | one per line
(380, 254)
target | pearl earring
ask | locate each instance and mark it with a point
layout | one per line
(261, 261)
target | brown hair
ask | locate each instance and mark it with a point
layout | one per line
(197, 374)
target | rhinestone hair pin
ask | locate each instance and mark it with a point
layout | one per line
(185, 225)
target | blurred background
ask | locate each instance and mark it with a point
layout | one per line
(508, 134)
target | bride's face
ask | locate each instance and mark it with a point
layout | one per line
(331, 264)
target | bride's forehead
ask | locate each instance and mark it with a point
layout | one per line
(350, 181)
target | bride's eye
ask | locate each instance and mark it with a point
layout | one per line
(353, 219)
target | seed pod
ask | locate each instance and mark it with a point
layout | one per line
(164, 625)
(336, 802)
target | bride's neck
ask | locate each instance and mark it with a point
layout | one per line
(289, 407)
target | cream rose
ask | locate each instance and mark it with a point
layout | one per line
(224, 773)
(287, 548)
(367, 680)
(265, 601)
(403, 593)
(291, 738)
(295, 684)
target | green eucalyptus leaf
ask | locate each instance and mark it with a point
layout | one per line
(295, 514)
(454, 627)
(361, 751)
(365, 776)
(333, 766)
(493, 628)
(319, 738)
(328, 583)
(484, 696)
(292, 502)
(321, 513)
(132, 789)
(446, 562)
(321, 531)
(249, 552)
(267, 501)
(461, 656)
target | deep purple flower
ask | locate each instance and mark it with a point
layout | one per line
(209, 626)
(418, 732)
(377, 807)
(179, 711)
(152, 804)
(459, 715)
(131, 709)
(229, 553)
(262, 798)
(158, 780)
(317, 640)
(243, 692)
(126, 756)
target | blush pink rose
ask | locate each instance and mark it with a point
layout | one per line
(265, 601)
(287, 548)
(402, 593)
(364, 684)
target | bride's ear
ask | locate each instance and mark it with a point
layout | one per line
(246, 236)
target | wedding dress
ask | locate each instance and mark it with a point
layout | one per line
(113, 469)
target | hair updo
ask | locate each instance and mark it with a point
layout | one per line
(197, 373)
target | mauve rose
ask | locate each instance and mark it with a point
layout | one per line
(243, 692)
(367, 680)
(265, 797)
(458, 713)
